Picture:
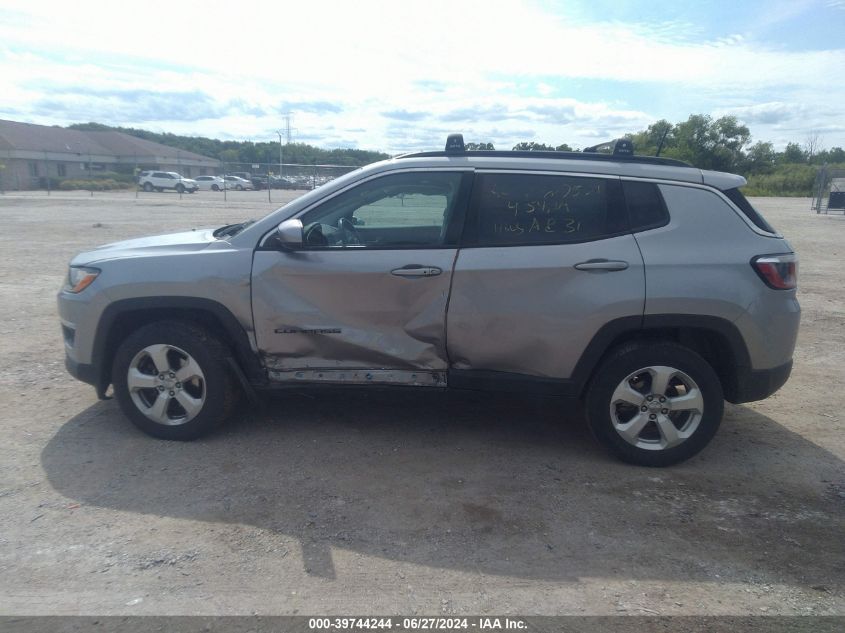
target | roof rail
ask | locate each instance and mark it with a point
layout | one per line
(617, 147)
(622, 151)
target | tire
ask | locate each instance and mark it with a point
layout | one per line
(155, 405)
(626, 414)
(148, 187)
(180, 188)
(239, 188)
(215, 188)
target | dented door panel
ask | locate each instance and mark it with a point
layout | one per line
(346, 309)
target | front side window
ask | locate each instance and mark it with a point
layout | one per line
(515, 209)
(408, 210)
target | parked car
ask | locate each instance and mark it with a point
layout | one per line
(210, 183)
(161, 180)
(650, 290)
(259, 182)
(237, 183)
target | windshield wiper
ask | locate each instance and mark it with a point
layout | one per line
(231, 229)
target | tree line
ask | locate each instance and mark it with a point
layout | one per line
(247, 151)
(722, 144)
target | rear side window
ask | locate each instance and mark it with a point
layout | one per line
(735, 196)
(646, 207)
(519, 209)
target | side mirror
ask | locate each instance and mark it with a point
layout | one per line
(289, 233)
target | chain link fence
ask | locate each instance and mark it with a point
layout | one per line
(228, 180)
(829, 190)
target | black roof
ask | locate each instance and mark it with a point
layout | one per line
(613, 158)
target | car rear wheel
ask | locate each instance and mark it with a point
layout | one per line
(148, 187)
(654, 404)
(171, 380)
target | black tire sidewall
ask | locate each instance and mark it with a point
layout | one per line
(206, 351)
(632, 358)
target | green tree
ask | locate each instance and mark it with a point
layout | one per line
(760, 158)
(710, 144)
(531, 146)
(479, 146)
(793, 154)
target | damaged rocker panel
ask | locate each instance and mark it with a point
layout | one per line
(361, 377)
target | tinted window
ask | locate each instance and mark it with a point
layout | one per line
(517, 209)
(735, 196)
(646, 208)
(398, 211)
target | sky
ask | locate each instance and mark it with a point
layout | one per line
(400, 75)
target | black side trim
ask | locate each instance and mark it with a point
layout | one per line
(236, 335)
(714, 324)
(760, 384)
(599, 345)
(504, 381)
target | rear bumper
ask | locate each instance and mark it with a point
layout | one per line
(760, 384)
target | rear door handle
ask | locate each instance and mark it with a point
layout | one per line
(602, 264)
(414, 270)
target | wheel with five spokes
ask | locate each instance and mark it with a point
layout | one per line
(654, 404)
(171, 380)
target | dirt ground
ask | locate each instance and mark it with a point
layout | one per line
(374, 503)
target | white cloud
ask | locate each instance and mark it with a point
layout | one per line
(374, 57)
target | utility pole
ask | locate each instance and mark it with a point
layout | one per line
(279, 132)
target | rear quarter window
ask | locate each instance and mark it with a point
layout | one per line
(735, 196)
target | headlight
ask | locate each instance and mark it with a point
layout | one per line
(79, 278)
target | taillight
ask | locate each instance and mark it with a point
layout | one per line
(778, 271)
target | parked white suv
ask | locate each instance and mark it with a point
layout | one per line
(161, 180)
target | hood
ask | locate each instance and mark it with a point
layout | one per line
(169, 244)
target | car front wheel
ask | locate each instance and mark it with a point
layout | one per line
(654, 404)
(171, 380)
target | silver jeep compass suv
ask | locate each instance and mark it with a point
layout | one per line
(648, 288)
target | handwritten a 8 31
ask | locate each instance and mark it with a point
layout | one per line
(554, 211)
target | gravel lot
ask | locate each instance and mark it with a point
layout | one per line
(401, 503)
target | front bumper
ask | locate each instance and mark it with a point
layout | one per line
(82, 371)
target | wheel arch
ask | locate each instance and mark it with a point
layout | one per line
(123, 317)
(716, 340)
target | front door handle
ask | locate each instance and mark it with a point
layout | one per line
(602, 264)
(414, 270)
